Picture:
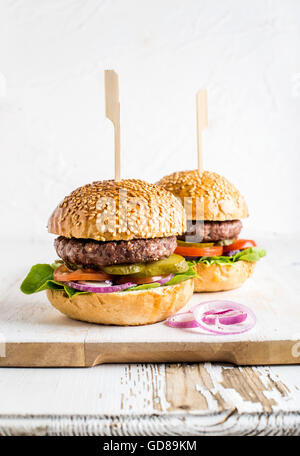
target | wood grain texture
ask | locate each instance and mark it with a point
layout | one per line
(249, 384)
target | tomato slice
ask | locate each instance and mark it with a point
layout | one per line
(139, 281)
(216, 250)
(63, 274)
(239, 244)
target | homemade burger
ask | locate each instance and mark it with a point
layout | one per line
(116, 243)
(211, 242)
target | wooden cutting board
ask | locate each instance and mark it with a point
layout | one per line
(32, 333)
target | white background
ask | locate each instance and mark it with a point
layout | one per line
(53, 132)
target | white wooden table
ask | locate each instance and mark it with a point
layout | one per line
(140, 399)
(152, 399)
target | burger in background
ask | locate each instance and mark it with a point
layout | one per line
(116, 243)
(211, 242)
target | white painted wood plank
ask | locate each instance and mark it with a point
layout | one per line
(30, 318)
(265, 294)
(107, 389)
(227, 424)
(133, 400)
(136, 389)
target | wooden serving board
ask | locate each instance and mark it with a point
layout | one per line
(32, 333)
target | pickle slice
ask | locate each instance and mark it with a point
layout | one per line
(194, 244)
(122, 269)
(174, 264)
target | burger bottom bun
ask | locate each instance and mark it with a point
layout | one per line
(216, 277)
(142, 307)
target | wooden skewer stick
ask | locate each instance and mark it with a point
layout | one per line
(202, 123)
(112, 111)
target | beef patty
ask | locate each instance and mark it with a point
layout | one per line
(211, 231)
(94, 254)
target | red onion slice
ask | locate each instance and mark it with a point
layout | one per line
(216, 317)
(229, 317)
(103, 288)
(224, 317)
(107, 287)
(161, 281)
(186, 320)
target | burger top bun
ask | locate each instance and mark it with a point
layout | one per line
(206, 195)
(118, 210)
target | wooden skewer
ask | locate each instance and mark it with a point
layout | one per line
(202, 123)
(112, 111)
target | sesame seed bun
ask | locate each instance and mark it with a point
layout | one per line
(217, 277)
(218, 199)
(113, 211)
(130, 308)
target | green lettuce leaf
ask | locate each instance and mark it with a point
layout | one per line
(178, 278)
(40, 277)
(145, 286)
(251, 255)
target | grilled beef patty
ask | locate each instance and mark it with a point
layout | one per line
(94, 254)
(211, 231)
